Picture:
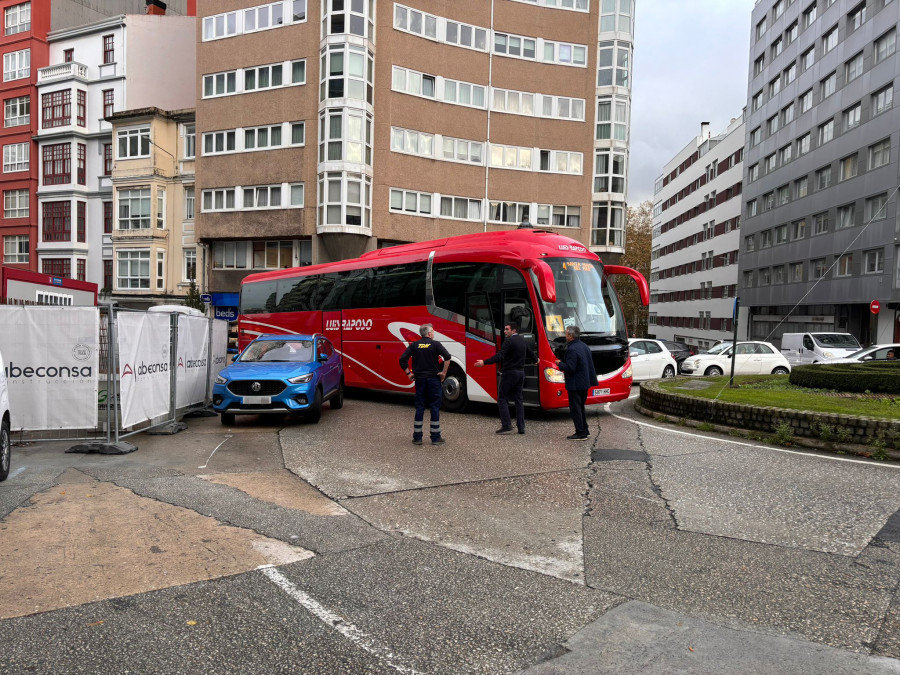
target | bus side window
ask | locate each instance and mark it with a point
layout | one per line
(478, 316)
(294, 294)
(258, 297)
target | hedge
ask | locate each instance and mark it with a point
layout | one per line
(881, 377)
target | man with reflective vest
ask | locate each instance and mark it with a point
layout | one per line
(426, 371)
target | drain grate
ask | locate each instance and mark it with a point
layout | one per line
(612, 455)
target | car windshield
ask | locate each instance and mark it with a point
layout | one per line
(584, 298)
(840, 340)
(278, 350)
(719, 348)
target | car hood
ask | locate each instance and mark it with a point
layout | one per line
(272, 370)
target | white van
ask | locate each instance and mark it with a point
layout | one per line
(800, 348)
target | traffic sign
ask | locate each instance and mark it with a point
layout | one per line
(206, 297)
(875, 307)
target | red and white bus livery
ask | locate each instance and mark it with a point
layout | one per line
(467, 287)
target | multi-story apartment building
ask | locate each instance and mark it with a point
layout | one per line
(315, 146)
(154, 256)
(820, 233)
(696, 236)
(26, 50)
(98, 69)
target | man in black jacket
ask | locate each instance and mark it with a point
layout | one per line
(578, 369)
(511, 356)
(426, 371)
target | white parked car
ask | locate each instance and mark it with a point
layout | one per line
(5, 443)
(750, 358)
(650, 360)
(887, 352)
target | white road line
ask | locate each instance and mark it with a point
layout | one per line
(339, 623)
(13, 474)
(214, 452)
(752, 445)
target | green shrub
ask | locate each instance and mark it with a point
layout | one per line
(879, 377)
(784, 434)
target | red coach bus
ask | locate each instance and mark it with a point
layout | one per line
(468, 287)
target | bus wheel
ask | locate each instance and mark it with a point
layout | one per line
(454, 390)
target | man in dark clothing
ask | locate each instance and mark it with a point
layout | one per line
(511, 356)
(578, 369)
(427, 373)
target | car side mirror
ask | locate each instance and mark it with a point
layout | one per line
(323, 358)
(234, 357)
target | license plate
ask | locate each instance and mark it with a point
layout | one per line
(257, 400)
(600, 392)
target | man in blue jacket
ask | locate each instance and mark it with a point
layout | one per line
(578, 369)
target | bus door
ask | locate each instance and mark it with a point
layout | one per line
(516, 308)
(481, 343)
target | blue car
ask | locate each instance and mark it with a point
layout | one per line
(282, 375)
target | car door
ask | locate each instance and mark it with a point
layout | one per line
(328, 370)
(746, 360)
(656, 359)
(768, 359)
(808, 351)
(639, 366)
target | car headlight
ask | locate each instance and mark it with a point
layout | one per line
(301, 379)
(220, 379)
(627, 372)
(554, 375)
(828, 355)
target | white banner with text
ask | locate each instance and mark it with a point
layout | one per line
(144, 349)
(190, 369)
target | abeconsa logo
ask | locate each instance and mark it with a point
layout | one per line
(14, 372)
(190, 364)
(144, 369)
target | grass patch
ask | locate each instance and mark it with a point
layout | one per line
(775, 391)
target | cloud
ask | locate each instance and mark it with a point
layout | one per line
(690, 66)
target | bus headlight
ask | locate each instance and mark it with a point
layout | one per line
(554, 375)
(627, 372)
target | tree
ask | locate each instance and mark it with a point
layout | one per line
(638, 242)
(193, 297)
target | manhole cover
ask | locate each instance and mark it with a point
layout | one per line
(611, 455)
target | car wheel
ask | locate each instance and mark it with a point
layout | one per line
(227, 419)
(780, 370)
(337, 401)
(454, 390)
(669, 372)
(314, 413)
(5, 452)
(713, 371)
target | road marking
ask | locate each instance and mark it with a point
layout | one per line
(752, 445)
(339, 623)
(214, 452)
(15, 473)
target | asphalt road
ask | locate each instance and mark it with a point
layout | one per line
(277, 546)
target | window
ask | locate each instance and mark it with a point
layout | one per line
(778, 9)
(459, 150)
(880, 153)
(265, 16)
(15, 204)
(262, 197)
(461, 93)
(748, 279)
(823, 178)
(805, 101)
(820, 223)
(756, 102)
(408, 201)
(781, 234)
(826, 132)
(765, 239)
(160, 209)
(809, 15)
(790, 73)
(876, 207)
(15, 249)
(792, 31)
(260, 138)
(769, 201)
(133, 269)
(107, 218)
(420, 84)
(220, 26)
(216, 142)
(845, 265)
(770, 163)
(514, 45)
(189, 203)
(298, 133)
(807, 58)
(218, 200)
(17, 111)
(753, 173)
(56, 222)
(798, 229)
(107, 159)
(17, 19)
(853, 68)
(81, 164)
(796, 272)
(109, 51)
(874, 261)
(80, 222)
(856, 17)
(133, 143)
(846, 216)
(566, 53)
(885, 45)
(107, 274)
(412, 142)
(787, 114)
(57, 164)
(219, 84)
(761, 28)
(134, 209)
(190, 141)
(777, 47)
(783, 195)
(774, 87)
(56, 109)
(882, 99)
(829, 40)
(759, 64)
(772, 125)
(609, 171)
(16, 157)
(68, 55)
(784, 155)
(851, 116)
(801, 187)
(818, 268)
(57, 267)
(108, 102)
(16, 65)
(160, 269)
(189, 270)
(849, 167)
(755, 136)
(751, 208)
(803, 144)
(827, 86)
(461, 208)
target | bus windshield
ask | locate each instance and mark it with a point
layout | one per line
(583, 298)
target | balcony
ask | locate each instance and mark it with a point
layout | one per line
(62, 71)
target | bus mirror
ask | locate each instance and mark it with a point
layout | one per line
(546, 283)
(643, 287)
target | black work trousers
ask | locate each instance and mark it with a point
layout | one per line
(511, 383)
(576, 408)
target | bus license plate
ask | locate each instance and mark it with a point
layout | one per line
(600, 392)
(257, 400)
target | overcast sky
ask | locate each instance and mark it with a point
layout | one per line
(690, 66)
